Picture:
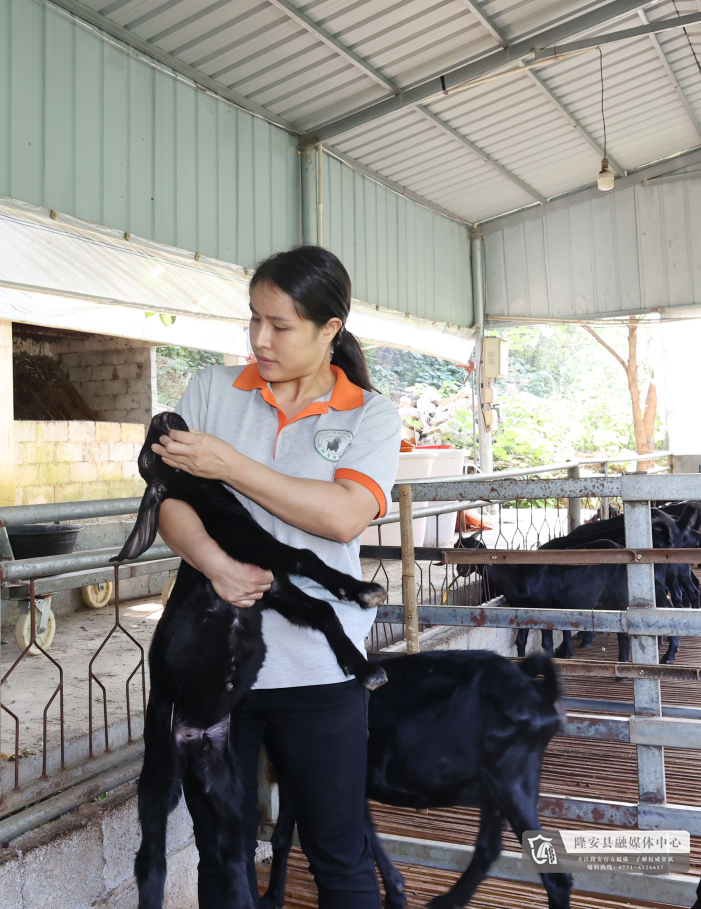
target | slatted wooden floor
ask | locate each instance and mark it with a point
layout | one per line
(572, 767)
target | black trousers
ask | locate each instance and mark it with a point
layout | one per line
(318, 734)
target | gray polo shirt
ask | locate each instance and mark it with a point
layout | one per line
(348, 434)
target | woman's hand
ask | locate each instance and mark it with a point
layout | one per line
(236, 582)
(197, 453)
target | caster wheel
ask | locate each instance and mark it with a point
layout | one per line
(97, 595)
(167, 590)
(23, 631)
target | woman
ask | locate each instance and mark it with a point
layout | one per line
(312, 452)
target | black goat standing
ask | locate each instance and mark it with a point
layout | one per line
(677, 528)
(453, 728)
(205, 656)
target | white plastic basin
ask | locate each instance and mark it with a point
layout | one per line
(449, 464)
(413, 465)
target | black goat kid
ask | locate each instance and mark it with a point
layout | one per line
(453, 728)
(205, 656)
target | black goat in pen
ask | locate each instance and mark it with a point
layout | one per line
(452, 728)
(205, 656)
(676, 528)
(559, 587)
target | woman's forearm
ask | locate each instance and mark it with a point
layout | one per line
(338, 510)
(181, 528)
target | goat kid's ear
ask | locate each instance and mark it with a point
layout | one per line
(146, 527)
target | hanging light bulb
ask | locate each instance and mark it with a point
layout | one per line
(605, 179)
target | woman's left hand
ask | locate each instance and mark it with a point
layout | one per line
(197, 453)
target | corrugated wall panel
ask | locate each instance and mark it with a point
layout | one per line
(634, 250)
(399, 255)
(91, 130)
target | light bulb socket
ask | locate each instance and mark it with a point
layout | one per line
(605, 179)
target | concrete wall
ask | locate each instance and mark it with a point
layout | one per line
(117, 377)
(71, 461)
(7, 483)
(85, 859)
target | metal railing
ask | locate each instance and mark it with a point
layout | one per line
(108, 755)
(650, 726)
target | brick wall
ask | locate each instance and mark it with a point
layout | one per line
(119, 382)
(115, 376)
(73, 461)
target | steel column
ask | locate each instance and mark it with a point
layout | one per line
(478, 303)
(644, 649)
(310, 196)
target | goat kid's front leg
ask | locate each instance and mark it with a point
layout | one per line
(565, 651)
(280, 558)
(395, 888)
(521, 641)
(309, 612)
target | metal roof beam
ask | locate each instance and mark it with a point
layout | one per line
(440, 85)
(303, 19)
(318, 31)
(587, 136)
(584, 194)
(501, 39)
(650, 28)
(668, 69)
(487, 23)
(463, 140)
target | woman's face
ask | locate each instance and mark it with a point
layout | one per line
(286, 345)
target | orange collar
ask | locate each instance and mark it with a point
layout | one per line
(345, 395)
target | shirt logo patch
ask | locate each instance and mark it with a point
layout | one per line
(331, 443)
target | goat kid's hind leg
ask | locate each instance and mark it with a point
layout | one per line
(158, 794)
(309, 612)
(487, 849)
(395, 888)
(521, 641)
(214, 799)
(523, 818)
(281, 841)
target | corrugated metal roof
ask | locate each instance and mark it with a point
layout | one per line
(262, 52)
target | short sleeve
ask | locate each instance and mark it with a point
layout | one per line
(192, 407)
(372, 458)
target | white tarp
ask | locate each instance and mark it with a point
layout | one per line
(65, 273)
(38, 254)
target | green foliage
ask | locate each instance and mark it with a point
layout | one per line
(395, 370)
(176, 366)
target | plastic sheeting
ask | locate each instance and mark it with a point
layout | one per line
(38, 254)
(65, 273)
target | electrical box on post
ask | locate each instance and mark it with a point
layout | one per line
(495, 358)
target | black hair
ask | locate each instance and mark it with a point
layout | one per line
(321, 289)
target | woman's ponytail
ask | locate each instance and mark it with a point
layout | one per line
(348, 355)
(321, 289)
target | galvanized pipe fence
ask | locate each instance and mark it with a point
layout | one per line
(647, 723)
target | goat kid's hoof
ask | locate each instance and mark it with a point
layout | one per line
(372, 596)
(372, 678)
(444, 901)
(269, 902)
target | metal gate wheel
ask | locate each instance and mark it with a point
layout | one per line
(97, 595)
(167, 590)
(23, 632)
